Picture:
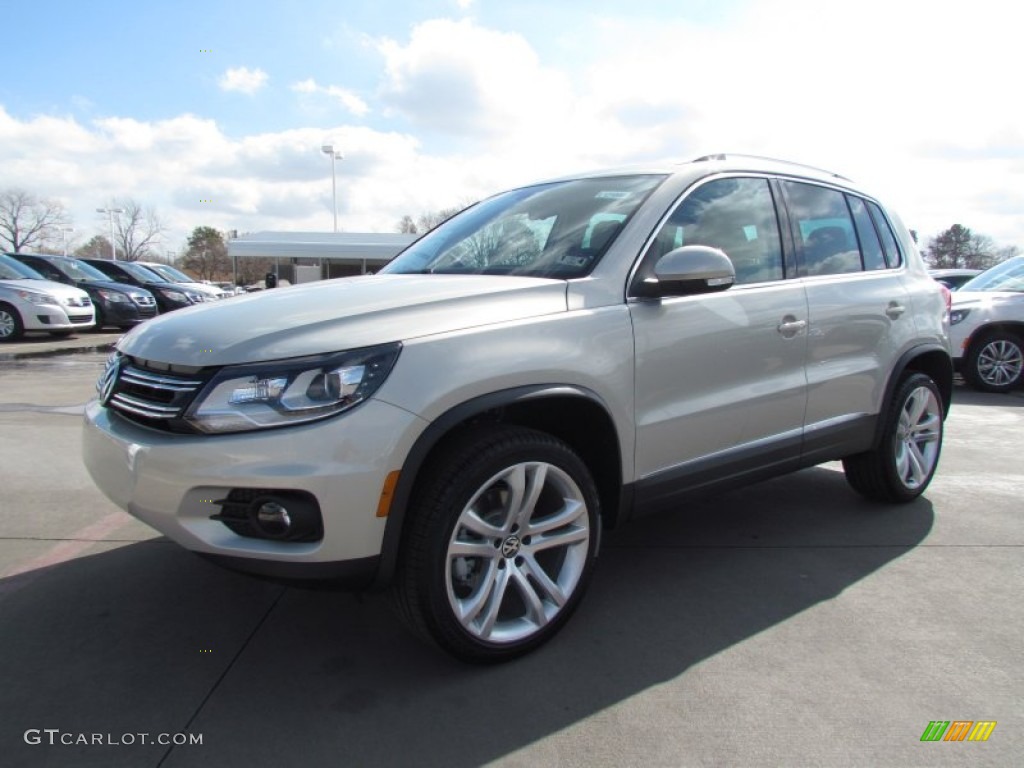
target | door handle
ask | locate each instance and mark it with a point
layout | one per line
(894, 310)
(790, 326)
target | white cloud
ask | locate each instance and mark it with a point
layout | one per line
(343, 96)
(243, 79)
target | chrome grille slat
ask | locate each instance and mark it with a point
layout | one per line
(154, 381)
(142, 408)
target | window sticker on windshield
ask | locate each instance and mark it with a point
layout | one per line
(612, 194)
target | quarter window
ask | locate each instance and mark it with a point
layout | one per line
(889, 243)
(735, 215)
(870, 246)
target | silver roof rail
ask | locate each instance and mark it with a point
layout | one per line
(724, 156)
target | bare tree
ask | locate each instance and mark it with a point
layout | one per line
(138, 230)
(27, 221)
(407, 226)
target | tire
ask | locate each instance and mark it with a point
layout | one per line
(903, 464)
(500, 544)
(995, 362)
(11, 327)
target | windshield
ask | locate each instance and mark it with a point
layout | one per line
(139, 272)
(79, 270)
(12, 269)
(561, 230)
(170, 273)
(1008, 276)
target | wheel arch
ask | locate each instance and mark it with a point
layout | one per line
(1003, 326)
(573, 414)
(931, 360)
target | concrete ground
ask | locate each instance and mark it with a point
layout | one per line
(785, 624)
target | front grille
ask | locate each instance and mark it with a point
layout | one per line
(143, 301)
(154, 399)
(75, 301)
(80, 318)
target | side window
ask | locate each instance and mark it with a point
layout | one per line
(735, 215)
(870, 245)
(889, 244)
(823, 229)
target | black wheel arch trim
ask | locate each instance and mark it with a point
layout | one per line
(906, 361)
(437, 430)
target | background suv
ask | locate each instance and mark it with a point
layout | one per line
(553, 360)
(175, 275)
(988, 327)
(115, 304)
(168, 295)
(28, 302)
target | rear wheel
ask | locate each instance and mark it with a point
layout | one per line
(11, 327)
(903, 464)
(995, 362)
(500, 544)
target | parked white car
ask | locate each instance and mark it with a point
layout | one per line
(987, 328)
(29, 302)
(175, 275)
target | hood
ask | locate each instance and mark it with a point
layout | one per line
(110, 285)
(334, 315)
(52, 287)
(986, 297)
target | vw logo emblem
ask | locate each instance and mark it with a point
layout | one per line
(510, 547)
(108, 382)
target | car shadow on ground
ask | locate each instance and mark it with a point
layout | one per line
(964, 395)
(147, 638)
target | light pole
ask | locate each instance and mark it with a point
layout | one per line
(110, 213)
(64, 236)
(328, 149)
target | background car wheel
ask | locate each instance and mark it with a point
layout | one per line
(500, 543)
(11, 328)
(903, 464)
(995, 362)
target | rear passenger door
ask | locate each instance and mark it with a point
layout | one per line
(850, 265)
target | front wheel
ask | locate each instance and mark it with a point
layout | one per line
(11, 327)
(903, 464)
(995, 362)
(500, 545)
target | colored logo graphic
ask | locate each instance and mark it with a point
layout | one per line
(958, 730)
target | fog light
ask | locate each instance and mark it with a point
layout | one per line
(272, 519)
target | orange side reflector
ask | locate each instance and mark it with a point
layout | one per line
(387, 493)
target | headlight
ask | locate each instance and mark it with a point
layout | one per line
(195, 298)
(177, 296)
(958, 315)
(275, 394)
(37, 298)
(114, 297)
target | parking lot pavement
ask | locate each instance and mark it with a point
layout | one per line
(788, 623)
(36, 345)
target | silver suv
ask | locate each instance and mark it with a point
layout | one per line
(554, 360)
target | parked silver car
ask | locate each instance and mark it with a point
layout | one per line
(29, 302)
(556, 359)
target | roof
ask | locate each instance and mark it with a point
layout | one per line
(320, 245)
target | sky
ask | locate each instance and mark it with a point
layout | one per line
(214, 113)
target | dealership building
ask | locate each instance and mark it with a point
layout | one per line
(305, 256)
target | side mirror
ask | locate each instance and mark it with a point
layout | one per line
(689, 270)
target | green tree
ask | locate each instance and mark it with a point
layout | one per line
(97, 248)
(207, 253)
(960, 248)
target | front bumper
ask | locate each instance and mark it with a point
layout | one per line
(170, 482)
(48, 317)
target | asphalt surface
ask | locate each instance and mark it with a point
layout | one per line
(785, 624)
